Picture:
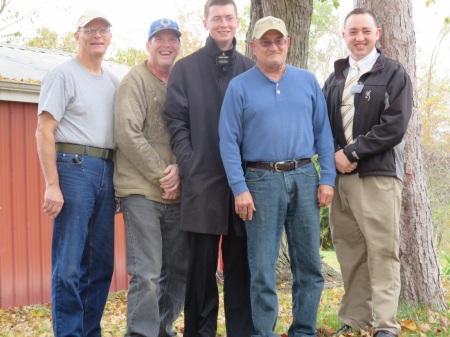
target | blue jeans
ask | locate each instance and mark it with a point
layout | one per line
(157, 255)
(82, 245)
(289, 200)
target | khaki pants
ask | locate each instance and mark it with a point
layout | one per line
(365, 230)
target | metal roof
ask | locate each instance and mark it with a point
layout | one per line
(28, 64)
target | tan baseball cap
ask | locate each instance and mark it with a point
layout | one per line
(268, 23)
(89, 15)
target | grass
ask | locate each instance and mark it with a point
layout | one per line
(416, 321)
(329, 257)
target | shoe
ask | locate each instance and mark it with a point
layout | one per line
(343, 330)
(384, 333)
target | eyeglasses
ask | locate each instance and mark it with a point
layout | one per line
(171, 41)
(91, 31)
(267, 43)
(218, 19)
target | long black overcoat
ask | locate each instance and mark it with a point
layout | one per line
(195, 93)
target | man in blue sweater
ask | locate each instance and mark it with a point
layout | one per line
(273, 120)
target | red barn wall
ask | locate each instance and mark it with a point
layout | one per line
(25, 232)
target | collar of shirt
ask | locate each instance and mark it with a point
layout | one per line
(366, 63)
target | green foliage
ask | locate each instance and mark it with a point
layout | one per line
(446, 268)
(433, 91)
(67, 43)
(243, 28)
(9, 18)
(325, 41)
(10, 37)
(193, 33)
(49, 39)
(130, 56)
(45, 38)
(335, 3)
(325, 232)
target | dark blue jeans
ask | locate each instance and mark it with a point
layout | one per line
(82, 245)
(284, 200)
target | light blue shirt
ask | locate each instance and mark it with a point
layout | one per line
(264, 120)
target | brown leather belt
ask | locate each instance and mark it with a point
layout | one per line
(85, 150)
(281, 166)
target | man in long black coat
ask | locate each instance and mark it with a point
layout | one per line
(195, 92)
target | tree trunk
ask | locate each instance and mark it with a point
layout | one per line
(296, 14)
(420, 274)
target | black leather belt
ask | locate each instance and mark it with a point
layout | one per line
(85, 150)
(280, 166)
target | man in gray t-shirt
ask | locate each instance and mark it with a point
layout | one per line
(75, 146)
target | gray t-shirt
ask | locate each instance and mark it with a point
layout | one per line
(82, 103)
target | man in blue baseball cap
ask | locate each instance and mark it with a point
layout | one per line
(147, 182)
(163, 24)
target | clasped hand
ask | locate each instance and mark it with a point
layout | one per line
(343, 165)
(170, 183)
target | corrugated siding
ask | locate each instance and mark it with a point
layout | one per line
(25, 232)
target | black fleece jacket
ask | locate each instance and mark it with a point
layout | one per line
(382, 113)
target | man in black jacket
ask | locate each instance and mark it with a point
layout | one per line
(369, 99)
(196, 88)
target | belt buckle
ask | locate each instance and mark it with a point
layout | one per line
(275, 166)
(107, 153)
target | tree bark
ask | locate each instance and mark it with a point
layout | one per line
(296, 14)
(420, 274)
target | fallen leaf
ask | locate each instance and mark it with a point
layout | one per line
(409, 324)
(424, 327)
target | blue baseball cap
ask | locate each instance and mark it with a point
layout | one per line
(161, 24)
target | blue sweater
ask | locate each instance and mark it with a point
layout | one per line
(263, 120)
